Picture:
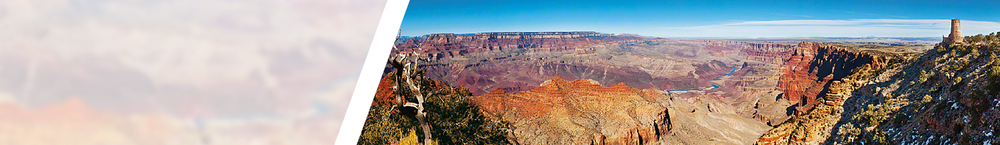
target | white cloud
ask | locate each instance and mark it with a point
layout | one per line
(833, 28)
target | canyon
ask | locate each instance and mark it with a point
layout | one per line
(596, 88)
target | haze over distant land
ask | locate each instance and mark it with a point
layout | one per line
(881, 18)
(185, 72)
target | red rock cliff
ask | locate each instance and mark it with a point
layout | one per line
(823, 76)
(807, 73)
(580, 112)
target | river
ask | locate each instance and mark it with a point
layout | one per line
(713, 85)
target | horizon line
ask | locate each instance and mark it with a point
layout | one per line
(619, 34)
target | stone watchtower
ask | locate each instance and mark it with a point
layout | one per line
(956, 32)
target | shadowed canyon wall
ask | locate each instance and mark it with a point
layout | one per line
(808, 73)
(824, 76)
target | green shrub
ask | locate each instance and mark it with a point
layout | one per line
(382, 127)
(452, 118)
(848, 133)
(994, 77)
(412, 139)
(974, 53)
(877, 136)
(455, 120)
(939, 48)
(975, 38)
(924, 76)
(872, 115)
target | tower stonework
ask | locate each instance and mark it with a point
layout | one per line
(956, 32)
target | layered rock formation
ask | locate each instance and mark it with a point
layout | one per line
(515, 61)
(845, 69)
(581, 112)
(694, 71)
(452, 45)
(808, 73)
(666, 91)
(643, 63)
(815, 126)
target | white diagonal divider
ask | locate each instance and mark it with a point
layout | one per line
(371, 72)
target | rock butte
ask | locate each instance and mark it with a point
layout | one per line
(580, 112)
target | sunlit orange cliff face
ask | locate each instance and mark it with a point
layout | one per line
(580, 111)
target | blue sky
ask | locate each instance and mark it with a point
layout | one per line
(704, 18)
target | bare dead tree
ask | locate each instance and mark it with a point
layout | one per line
(408, 75)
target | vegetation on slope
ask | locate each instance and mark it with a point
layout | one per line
(408, 103)
(949, 95)
(987, 39)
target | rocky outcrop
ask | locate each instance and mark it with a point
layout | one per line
(844, 69)
(580, 112)
(769, 53)
(947, 95)
(808, 72)
(815, 126)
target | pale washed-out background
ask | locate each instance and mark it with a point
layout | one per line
(185, 72)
